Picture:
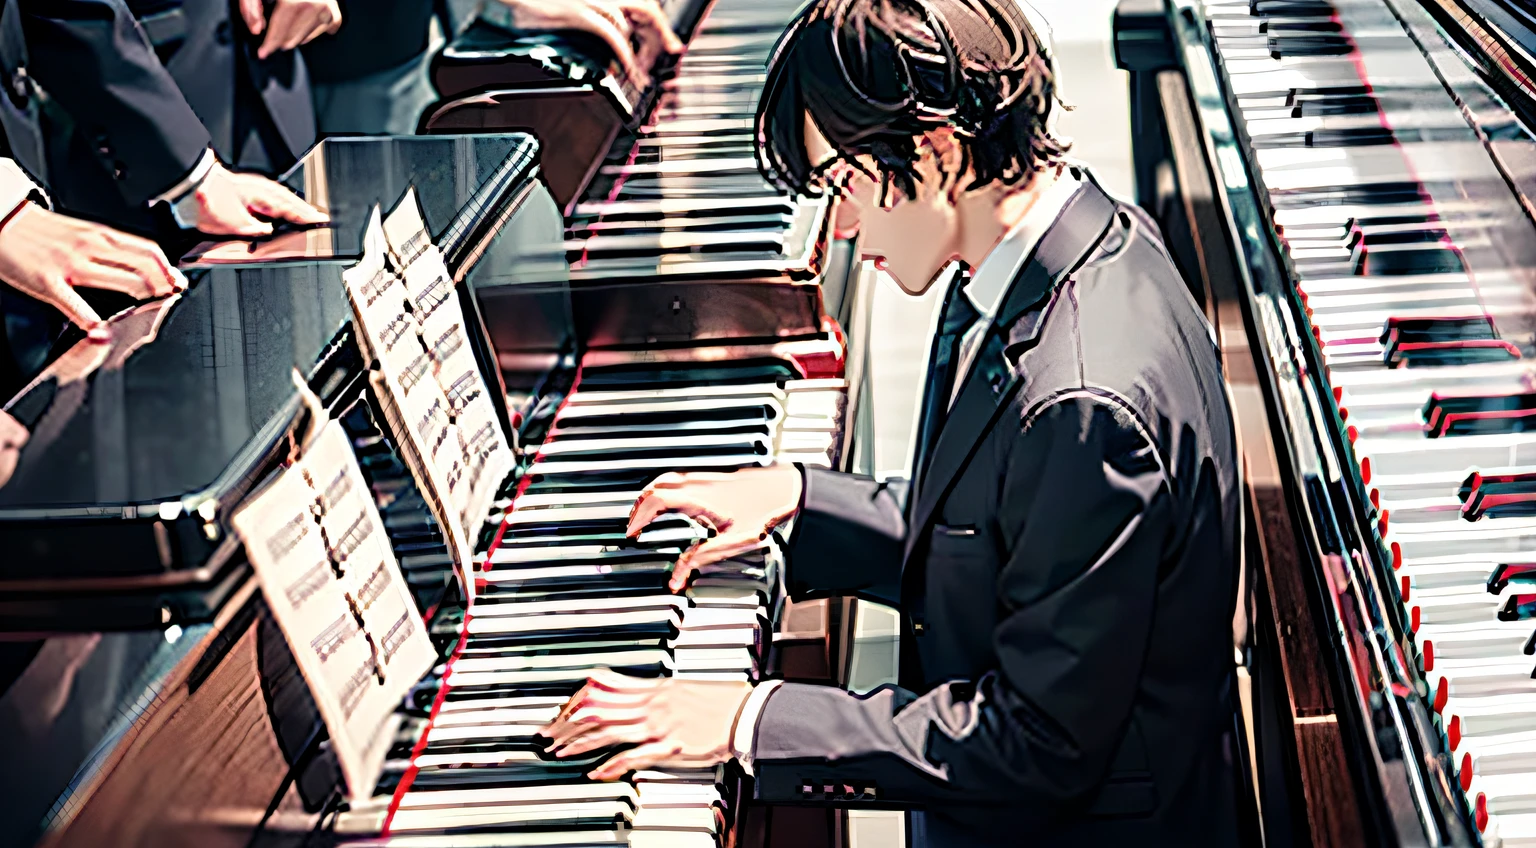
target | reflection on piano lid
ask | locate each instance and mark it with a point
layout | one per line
(116, 513)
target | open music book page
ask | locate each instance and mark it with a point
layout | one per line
(324, 563)
(434, 302)
(419, 415)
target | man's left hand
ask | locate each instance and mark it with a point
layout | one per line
(671, 722)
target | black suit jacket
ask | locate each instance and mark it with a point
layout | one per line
(127, 109)
(1066, 575)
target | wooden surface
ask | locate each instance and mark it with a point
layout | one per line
(202, 765)
(1331, 803)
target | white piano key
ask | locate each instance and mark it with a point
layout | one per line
(570, 621)
(581, 605)
(489, 816)
(517, 795)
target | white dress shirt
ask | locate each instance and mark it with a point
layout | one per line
(985, 290)
(991, 279)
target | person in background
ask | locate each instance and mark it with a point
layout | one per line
(121, 114)
(1066, 564)
(45, 256)
(373, 78)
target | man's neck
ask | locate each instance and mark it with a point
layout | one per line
(988, 215)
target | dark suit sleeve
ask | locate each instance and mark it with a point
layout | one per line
(94, 61)
(1085, 510)
(848, 538)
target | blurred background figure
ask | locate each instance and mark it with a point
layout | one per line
(373, 76)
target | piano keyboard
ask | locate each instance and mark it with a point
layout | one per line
(688, 198)
(562, 593)
(1411, 258)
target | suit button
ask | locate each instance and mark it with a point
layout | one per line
(221, 33)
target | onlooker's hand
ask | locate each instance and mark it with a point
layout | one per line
(293, 22)
(12, 437)
(47, 255)
(615, 21)
(648, 27)
(227, 203)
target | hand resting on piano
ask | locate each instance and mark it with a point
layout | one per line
(741, 507)
(620, 23)
(47, 255)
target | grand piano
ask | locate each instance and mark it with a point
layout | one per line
(1348, 186)
(147, 696)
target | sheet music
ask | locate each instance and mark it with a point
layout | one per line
(485, 456)
(324, 563)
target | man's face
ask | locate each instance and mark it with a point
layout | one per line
(911, 239)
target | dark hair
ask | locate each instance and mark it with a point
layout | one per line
(877, 74)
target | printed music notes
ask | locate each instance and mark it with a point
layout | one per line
(412, 325)
(320, 552)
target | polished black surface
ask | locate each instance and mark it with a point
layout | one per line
(165, 409)
(144, 446)
(459, 180)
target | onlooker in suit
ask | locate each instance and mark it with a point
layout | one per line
(1066, 564)
(118, 113)
(45, 256)
(373, 76)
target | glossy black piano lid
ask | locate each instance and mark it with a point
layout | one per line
(186, 398)
(459, 179)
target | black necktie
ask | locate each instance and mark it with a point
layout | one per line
(958, 316)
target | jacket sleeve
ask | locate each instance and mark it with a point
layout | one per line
(848, 538)
(1085, 509)
(93, 60)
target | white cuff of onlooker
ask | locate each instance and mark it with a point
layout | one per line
(182, 196)
(16, 188)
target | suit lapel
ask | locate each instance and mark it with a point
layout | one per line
(993, 379)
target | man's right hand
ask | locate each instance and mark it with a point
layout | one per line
(47, 255)
(742, 507)
(226, 203)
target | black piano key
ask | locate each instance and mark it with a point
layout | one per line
(1435, 260)
(1506, 573)
(1310, 45)
(1498, 496)
(1372, 193)
(1300, 24)
(1518, 608)
(639, 376)
(1479, 414)
(1291, 8)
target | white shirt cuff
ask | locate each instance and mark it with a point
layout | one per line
(182, 191)
(16, 188)
(744, 739)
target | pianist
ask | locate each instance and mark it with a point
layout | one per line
(1066, 562)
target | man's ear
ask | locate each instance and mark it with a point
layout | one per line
(949, 157)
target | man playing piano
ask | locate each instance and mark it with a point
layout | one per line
(1066, 562)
